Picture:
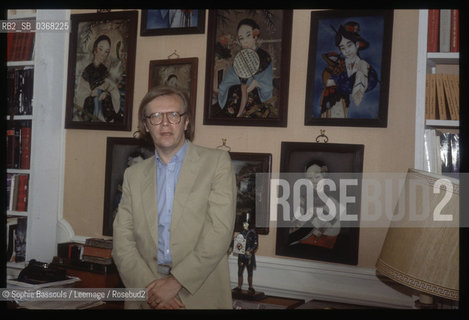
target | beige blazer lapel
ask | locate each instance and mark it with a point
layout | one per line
(186, 180)
(150, 205)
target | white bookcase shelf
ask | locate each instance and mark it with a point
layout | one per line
(45, 189)
(426, 63)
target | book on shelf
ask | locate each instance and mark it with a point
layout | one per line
(69, 256)
(16, 239)
(442, 96)
(433, 30)
(25, 134)
(98, 251)
(18, 135)
(99, 243)
(22, 201)
(442, 153)
(97, 260)
(17, 192)
(12, 223)
(20, 90)
(441, 101)
(13, 148)
(20, 46)
(454, 40)
(443, 30)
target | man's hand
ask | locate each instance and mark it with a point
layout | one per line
(162, 294)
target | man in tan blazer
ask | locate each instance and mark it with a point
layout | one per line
(201, 220)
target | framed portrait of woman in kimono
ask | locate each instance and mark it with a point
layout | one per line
(180, 73)
(348, 68)
(101, 71)
(248, 66)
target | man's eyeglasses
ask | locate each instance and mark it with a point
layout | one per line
(157, 117)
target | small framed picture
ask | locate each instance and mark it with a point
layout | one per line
(101, 71)
(349, 68)
(121, 153)
(311, 226)
(178, 73)
(253, 190)
(158, 22)
(248, 67)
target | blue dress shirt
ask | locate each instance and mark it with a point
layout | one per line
(166, 181)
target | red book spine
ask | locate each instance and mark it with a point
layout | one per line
(22, 193)
(10, 148)
(18, 40)
(25, 147)
(10, 43)
(454, 41)
(433, 30)
(28, 46)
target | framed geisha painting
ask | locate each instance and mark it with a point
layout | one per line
(248, 67)
(348, 68)
(101, 71)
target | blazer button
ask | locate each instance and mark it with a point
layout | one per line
(155, 258)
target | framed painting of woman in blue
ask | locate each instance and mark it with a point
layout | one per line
(248, 67)
(348, 68)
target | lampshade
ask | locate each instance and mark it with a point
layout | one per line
(419, 251)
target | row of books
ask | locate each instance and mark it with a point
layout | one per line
(18, 144)
(17, 191)
(443, 30)
(20, 90)
(73, 255)
(98, 251)
(16, 239)
(442, 96)
(442, 153)
(20, 46)
(94, 250)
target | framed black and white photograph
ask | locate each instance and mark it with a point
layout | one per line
(101, 70)
(121, 153)
(253, 192)
(349, 68)
(158, 22)
(248, 67)
(317, 230)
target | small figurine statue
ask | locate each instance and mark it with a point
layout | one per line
(245, 245)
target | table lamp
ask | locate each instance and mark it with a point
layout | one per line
(421, 248)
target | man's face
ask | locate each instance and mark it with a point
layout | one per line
(166, 137)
